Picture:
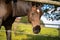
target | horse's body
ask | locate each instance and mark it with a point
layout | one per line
(10, 10)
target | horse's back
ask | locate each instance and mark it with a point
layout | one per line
(5, 9)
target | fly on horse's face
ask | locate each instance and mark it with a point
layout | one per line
(34, 18)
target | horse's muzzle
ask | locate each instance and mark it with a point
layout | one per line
(36, 29)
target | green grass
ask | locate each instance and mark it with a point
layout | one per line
(24, 32)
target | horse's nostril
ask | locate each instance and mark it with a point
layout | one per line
(36, 29)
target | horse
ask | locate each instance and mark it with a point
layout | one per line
(10, 9)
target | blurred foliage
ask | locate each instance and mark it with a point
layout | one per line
(24, 19)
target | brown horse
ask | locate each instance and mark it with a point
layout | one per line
(9, 10)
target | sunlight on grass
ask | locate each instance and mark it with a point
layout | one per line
(27, 28)
(49, 31)
(24, 32)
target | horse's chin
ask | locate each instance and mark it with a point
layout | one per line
(36, 29)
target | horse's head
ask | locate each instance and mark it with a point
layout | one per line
(34, 13)
(34, 18)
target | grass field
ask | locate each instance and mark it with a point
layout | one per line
(24, 32)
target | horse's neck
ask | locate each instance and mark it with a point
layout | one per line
(21, 8)
(1, 1)
(5, 1)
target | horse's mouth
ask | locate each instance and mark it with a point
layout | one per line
(36, 29)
